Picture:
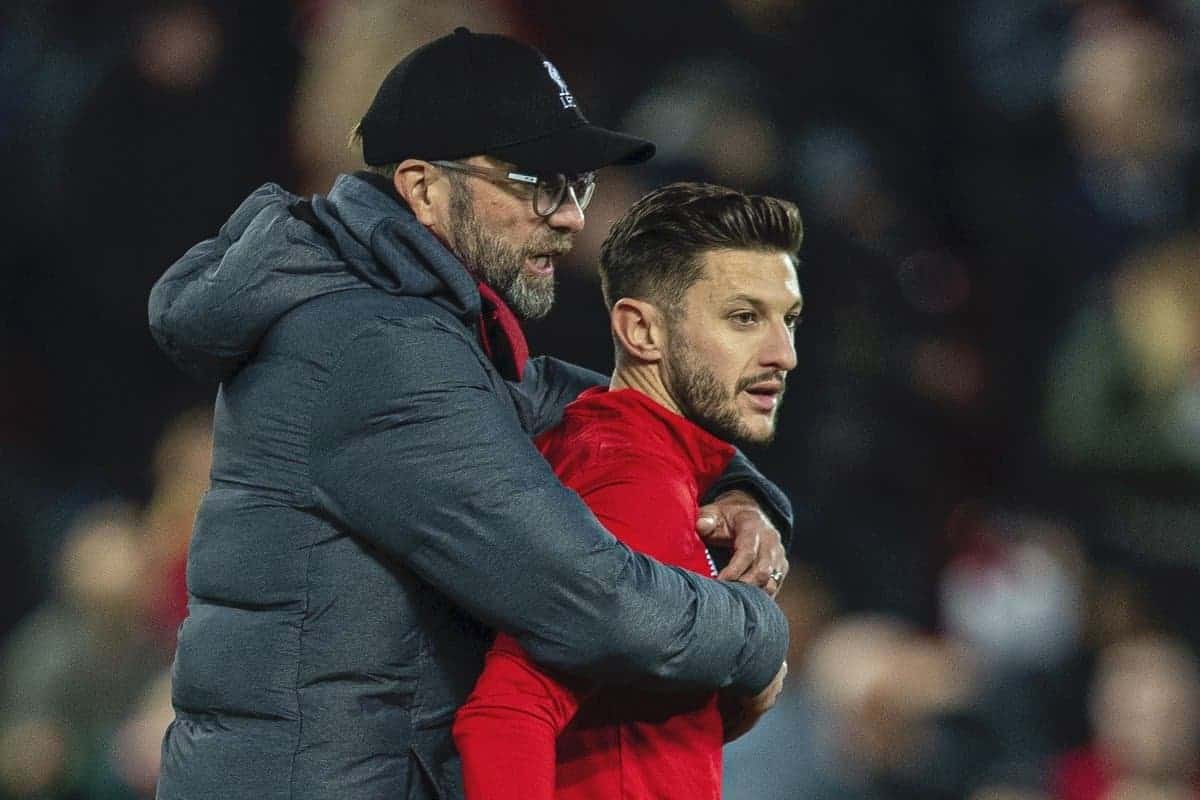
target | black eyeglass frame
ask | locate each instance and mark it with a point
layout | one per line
(582, 186)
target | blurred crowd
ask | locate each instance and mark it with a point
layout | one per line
(992, 439)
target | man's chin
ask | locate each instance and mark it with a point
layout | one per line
(737, 431)
(755, 439)
(530, 302)
(756, 432)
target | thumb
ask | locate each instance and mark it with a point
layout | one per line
(706, 523)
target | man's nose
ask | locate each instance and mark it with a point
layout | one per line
(779, 350)
(568, 217)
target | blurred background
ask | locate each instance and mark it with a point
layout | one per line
(992, 439)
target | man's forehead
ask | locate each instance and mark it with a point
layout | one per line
(769, 273)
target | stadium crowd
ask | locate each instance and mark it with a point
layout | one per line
(992, 439)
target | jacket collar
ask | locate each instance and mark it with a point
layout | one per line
(382, 241)
(499, 328)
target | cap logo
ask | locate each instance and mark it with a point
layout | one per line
(564, 94)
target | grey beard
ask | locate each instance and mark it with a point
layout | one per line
(529, 296)
(496, 263)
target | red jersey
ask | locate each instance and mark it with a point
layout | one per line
(526, 733)
(1088, 774)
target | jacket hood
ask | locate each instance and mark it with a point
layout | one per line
(211, 309)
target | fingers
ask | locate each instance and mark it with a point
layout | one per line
(758, 557)
(777, 567)
(708, 522)
(745, 554)
(776, 687)
(718, 532)
(740, 713)
(765, 700)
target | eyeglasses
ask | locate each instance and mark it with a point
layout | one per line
(549, 191)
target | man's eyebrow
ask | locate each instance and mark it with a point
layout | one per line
(744, 298)
(758, 302)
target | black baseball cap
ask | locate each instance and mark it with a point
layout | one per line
(471, 94)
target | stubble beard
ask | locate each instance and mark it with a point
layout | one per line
(706, 402)
(499, 264)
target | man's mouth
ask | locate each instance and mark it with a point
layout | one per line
(765, 395)
(541, 264)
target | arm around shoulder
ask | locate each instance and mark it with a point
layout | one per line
(414, 451)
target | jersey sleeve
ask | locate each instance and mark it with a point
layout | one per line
(506, 731)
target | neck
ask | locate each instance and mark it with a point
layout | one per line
(647, 379)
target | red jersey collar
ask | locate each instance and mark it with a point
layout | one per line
(707, 455)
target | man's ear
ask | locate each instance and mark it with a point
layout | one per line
(639, 329)
(415, 182)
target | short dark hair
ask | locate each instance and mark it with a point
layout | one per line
(654, 251)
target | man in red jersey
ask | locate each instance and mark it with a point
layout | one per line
(703, 296)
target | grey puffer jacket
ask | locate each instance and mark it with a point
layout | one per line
(377, 509)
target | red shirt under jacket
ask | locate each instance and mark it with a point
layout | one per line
(525, 733)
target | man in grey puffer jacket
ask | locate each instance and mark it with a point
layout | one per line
(377, 508)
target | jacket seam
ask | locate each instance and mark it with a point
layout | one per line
(322, 383)
(300, 661)
(426, 321)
